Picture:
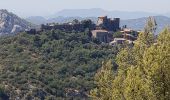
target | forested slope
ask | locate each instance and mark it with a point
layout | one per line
(51, 64)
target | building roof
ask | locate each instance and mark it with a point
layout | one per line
(127, 30)
(99, 31)
(129, 35)
(117, 39)
(112, 42)
(102, 17)
(120, 38)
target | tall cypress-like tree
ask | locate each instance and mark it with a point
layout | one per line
(151, 25)
(157, 66)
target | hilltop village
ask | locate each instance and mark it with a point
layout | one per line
(106, 30)
(107, 27)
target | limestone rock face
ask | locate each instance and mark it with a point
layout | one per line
(11, 24)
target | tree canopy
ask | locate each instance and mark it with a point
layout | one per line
(143, 71)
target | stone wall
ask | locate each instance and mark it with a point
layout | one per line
(67, 27)
(108, 24)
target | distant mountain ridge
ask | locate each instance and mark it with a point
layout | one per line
(36, 20)
(11, 23)
(68, 14)
(41, 20)
(138, 24)
(95, 12)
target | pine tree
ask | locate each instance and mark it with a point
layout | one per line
(125, 59)
(136, 86)
(157, 66)
(118, 86)
(103, 79)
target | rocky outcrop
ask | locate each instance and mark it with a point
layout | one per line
(11, 24)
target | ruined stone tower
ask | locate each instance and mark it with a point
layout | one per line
(108, 23)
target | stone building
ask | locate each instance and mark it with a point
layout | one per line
(130, 34)
(102, 35)
(108, 23)
(117, 41)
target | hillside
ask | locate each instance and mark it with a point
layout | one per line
(52, 64)
(11, 24)
(36, 20)
(138, 24)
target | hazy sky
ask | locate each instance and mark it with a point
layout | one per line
(48, 7)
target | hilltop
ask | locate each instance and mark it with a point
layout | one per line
(11, 23)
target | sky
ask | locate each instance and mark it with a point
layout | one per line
(27, 8)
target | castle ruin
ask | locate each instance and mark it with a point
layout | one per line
(108, 23)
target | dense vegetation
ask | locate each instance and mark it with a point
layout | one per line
(143, 70)
(50, 65)
(55, 65)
